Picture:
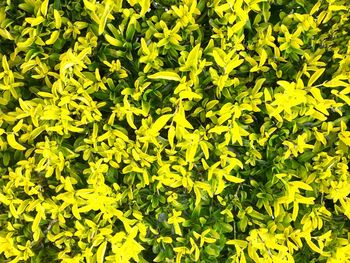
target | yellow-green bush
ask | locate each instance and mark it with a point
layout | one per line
(174, 131)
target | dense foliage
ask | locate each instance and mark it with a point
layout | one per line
(174, 131)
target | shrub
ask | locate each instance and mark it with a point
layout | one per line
(174, 131)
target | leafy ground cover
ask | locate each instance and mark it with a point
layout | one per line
(174, 131)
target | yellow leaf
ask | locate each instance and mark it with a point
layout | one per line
(13, 210)
(180, 119)
(306, 200)
(144, 47)
(218, 129)
(315, 76)
(58, 19)
(36, 222)
(106, 12)
(75, 212)
(316, 93)
(315, 8)
(75, 129)
(160, 122)
(209, 240)
(5, 34)
(233, 179)
(26, 43)
(171, 136)
(13, 143)
(168, 75)
(197, 192)
(145, 5)
(167, 240)
(320, 137)
(18, 126)
(237, 132)
(5, 64)
(90, 6)
(220, 186)
(100, 254)
(301, 185)
(237, 242)
(113, 41)
(36, 235)
(185, 94)
(54, 36)
(191, 152)
(193, 56)
(44, 6)
(145, 177)
(218, 59)
(312, 245)
(205, 149)
(258, 85)
(238, 26)
(337, 7)
(104, 136)
(130, 120)
(233, 64)
(336, 82)
(263, 57)
(121, 135)
(35, 21)
(295, 211)
(345, 91)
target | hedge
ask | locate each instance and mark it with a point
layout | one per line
(174, 131)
